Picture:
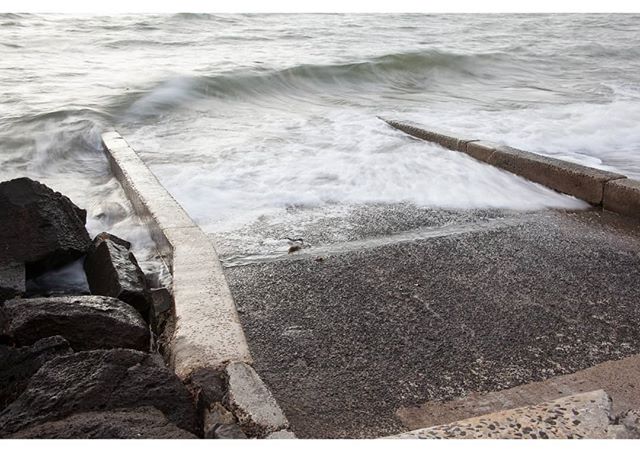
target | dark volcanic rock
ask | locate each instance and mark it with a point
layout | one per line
(4, 323)
(12, 280)
(99, 380)
(87, 322)
(112, 270)
(143, 423)
(40, 227)
(18, 364)
(215, 416)
(206, 386)
(161, 308)
(229, 431)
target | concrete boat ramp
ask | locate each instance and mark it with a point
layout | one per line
(351, 336)
(390, 318)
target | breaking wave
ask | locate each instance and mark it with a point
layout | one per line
(403, 72)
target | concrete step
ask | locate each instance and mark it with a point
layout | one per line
(585, 415)
(618, 378)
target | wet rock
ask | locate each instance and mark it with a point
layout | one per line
(112, 271)
(252, 403)
(143, 423)
(99, 380)
(40, 227)
(161, 308)
(12, 280)
(18, 364)
(229, 431)
(87, 322)
(215, 416)
(105, 236)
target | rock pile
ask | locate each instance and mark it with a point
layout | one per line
(88, 366)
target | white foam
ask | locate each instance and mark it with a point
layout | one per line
(600, 135)
(345, 157)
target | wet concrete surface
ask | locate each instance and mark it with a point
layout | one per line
(335, 225)
(346, 337)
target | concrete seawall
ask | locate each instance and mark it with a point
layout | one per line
(609, 190)
(208, 332)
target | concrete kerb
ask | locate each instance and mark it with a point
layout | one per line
(207, 332)
(570, 178)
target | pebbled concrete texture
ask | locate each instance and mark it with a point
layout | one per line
(252, 403)
(346, 340)
(585, 415)
(207, 330)
(623, 196)
(281, 434)
(479, 150)
(566, 177)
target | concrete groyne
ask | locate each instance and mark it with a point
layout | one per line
(612, 191)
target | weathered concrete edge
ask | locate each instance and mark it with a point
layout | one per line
(609, 190)
(208, 332)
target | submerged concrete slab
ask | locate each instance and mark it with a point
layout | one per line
(619, 379)
(207, 329)
(585, 415)
(345, 338)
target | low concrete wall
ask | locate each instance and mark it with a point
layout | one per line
(207, 332)
(623, 196)
(601, 188)
(435, 136)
